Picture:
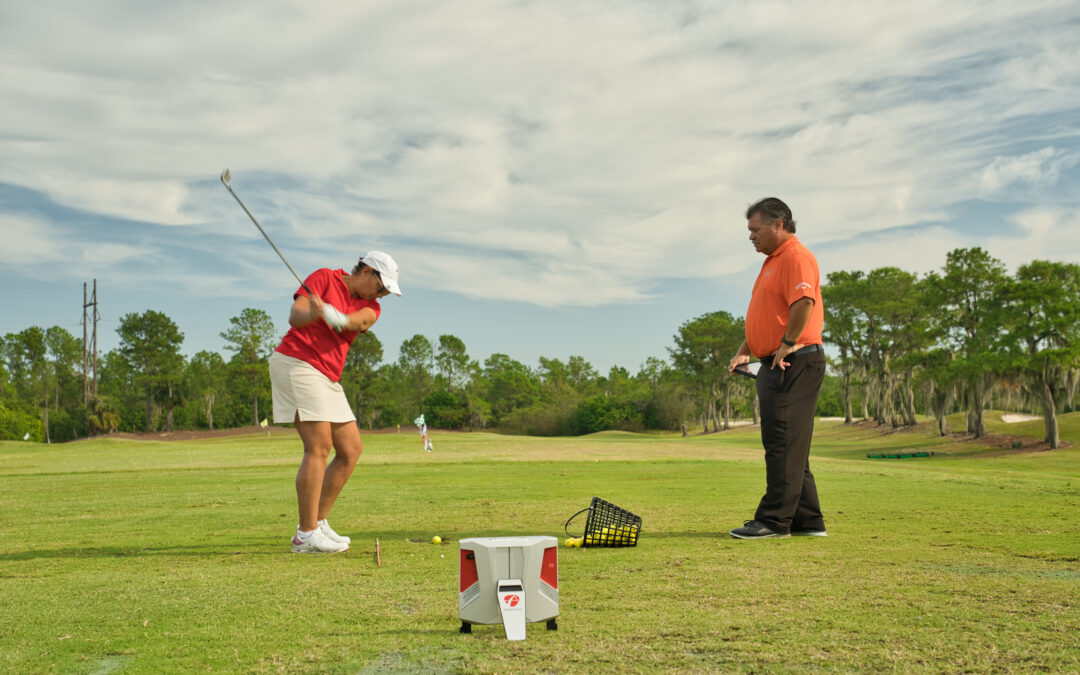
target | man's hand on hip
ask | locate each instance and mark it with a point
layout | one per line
(782, 353)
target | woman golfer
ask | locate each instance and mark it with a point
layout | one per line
(304, 374)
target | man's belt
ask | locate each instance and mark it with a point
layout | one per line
(808, 349)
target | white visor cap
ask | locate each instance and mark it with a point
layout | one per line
(386, 267)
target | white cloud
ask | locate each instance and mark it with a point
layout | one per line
(1040, 166)
(26, 239)
(43, 249)
(1046, 233)
(557, 283)
(542, 152)
(108, 254)
(919, 252)
(1050, 233)
(150, 201)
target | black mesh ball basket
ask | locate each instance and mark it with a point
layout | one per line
(608, 525)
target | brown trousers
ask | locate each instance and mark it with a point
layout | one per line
(788, 399)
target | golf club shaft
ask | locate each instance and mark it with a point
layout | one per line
(225, 182)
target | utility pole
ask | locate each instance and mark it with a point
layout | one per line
(85, 379)
(97, 315)
(89, 348)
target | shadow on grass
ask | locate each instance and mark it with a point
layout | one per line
(362, 544)
(721, 532)
(264, 548)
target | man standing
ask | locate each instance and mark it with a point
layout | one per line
(783, 330)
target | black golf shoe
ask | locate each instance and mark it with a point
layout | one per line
(753, 529)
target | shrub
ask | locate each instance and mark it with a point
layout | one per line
(550, 418)
(601, 413)
(15, 424)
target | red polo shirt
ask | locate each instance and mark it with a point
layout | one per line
(788, 274)
(317, 343)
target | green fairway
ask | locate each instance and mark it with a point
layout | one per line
(139, 556)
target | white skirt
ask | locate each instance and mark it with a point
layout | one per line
(301, 392)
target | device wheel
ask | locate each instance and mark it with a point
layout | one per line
(466, 627)
(552, 625)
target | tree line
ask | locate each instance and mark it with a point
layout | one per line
(959, 338)
(964, 338)
(147, 384)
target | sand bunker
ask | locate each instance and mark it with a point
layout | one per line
(1011, 418)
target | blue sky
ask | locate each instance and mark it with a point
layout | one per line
(552, 178)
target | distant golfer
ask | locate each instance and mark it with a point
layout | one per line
(783, 330)
(304, 374)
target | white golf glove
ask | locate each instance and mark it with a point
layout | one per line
(334, 318)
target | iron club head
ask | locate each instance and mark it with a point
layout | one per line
(225, 177)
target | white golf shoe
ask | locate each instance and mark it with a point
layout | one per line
(317, 542)
(325, 528)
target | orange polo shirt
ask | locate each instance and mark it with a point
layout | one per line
(790, 273)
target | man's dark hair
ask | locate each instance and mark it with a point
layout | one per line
(359, 266)
(772, 209)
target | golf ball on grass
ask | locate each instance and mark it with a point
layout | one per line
(436, 539)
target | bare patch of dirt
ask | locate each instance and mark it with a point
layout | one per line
(194, 434)
(1008, 444)
(871, 425)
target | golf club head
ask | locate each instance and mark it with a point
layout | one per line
(744, 370)
(225, 177)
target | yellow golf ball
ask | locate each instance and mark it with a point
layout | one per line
(569, 542)
(436, 539)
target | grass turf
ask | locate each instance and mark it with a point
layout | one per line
(137, 556)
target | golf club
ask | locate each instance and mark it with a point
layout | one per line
(225, 178)
(744, 370)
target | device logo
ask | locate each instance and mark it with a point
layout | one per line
(511, 600)
(802, 284)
